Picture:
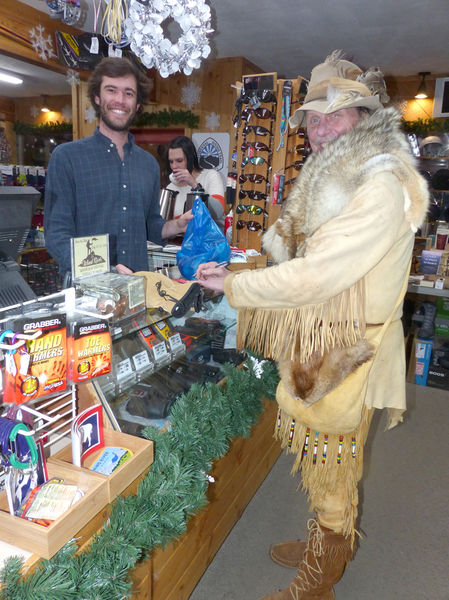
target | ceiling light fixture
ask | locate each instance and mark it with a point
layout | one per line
(10, 79)
(44, 107)
(421, 92)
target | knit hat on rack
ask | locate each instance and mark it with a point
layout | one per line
(337, 83)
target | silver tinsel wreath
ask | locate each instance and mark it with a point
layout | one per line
(143, 28)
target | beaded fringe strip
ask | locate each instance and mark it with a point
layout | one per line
(328, 462)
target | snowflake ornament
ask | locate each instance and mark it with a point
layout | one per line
(144, 30)
(72, 77)
(42, 45)
(190, 94)
(34, 111)
(90, 115)
(212, 121)
(67, 112)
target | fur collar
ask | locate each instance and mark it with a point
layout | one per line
(330, 178)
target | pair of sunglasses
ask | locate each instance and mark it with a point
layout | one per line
(260, 113)
(254, 160)
(252, 209)
(260, 146)
(250, 225)
(254, 177)
(295, 165)
(252, 194)
(261, 95)
(256, 129)
(299, 132)
(302, 150)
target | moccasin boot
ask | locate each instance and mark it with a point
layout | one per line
(325, 558)
(288, 554)
(173, 297)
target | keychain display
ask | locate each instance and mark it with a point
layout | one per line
(19, 458)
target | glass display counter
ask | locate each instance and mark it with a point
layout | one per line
(157, 358)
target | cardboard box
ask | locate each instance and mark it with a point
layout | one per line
(46, 541)
(253, 262)
(423, 352)
(124, 475)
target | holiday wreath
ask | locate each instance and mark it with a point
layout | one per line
(144, 30)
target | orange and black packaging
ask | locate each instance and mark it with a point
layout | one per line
(89, 349)
(39, 368)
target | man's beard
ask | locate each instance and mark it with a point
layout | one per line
(115, 126)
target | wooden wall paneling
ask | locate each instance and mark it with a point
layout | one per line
(7, 109)
(56, 103)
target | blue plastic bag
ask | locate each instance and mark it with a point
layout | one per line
(203, 241)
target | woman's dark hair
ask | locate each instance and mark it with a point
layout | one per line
(118, 67)
(188, 147)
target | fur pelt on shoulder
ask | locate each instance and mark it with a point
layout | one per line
(326, 184)
(329, 179)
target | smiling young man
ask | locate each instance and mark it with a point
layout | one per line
(106, 183)
(342, 245)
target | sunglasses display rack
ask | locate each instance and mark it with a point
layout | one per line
(268, 158)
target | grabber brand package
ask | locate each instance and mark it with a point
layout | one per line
(90, 349)
(38, 368)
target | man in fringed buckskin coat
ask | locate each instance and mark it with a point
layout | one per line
(329, 310)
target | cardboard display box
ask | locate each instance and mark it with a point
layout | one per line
(124, 475)
(46, 541)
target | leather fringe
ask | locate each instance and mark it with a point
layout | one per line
(301, 331)
(327, 461)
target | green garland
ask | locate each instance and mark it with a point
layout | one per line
(425, 126)
(204, 421)
(164, 118)
(43, 128)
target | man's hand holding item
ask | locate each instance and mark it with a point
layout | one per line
(124, 270)
(211, 276)
(176, 226)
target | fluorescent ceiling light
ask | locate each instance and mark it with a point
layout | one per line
(10, 79)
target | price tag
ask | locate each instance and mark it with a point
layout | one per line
(175, 342)
(94, 45)
(124, 369)
(141, 360)
(24, 363)
(10, 364)
(160, 352)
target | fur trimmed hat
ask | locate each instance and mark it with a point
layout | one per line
(337, 83)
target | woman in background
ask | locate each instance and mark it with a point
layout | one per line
(186, 176)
